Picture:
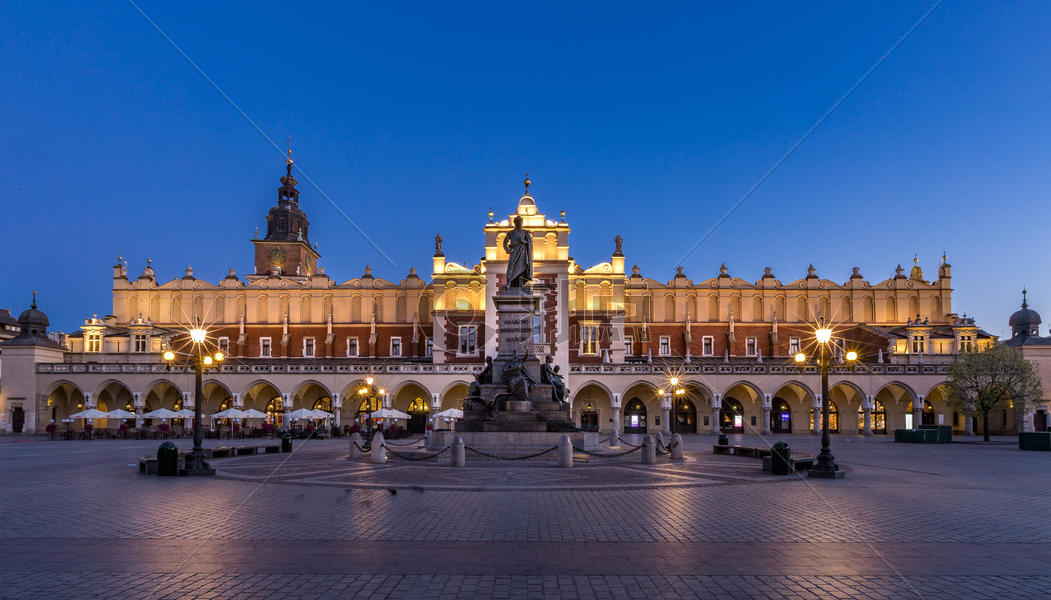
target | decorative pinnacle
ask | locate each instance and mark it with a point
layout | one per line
(527, 183)
(490, 213)
(33, 305)
(1024, 303)
(289, 161)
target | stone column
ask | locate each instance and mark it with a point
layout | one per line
(618, 422)
(286, 403)
(917, 412)
(717, 403)
(138, 404)
(666, 413)
(866, 405)
(968, 425)
(815, 422)
(89, 402)
(187, 402)
(337, 406)
(767, 405)
(236, 399)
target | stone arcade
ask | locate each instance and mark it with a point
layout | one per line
(296, 338)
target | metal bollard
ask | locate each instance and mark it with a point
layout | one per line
(565, 452)
(649, 451)
(379, 453)
(614, 439)
(167, 460)
(355, 445)
(459, 454)
(676, 447)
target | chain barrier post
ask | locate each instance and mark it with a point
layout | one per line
(355, 446)
(459, 454)
(649, 451)
(379, 452)
(676, 447)
(565, 452)
(614, 439)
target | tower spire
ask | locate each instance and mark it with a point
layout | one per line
(33, 305)
(1024, 303)
(289, 161)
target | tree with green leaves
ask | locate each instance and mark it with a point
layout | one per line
(981, 380)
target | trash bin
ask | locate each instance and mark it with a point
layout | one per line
(167, 460)
(286, 442)
(780, 459)
(723, 440)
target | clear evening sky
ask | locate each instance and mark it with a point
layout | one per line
(643, 120)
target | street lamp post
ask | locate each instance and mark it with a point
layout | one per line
(826, 467)
(369, 393)
(196, 464)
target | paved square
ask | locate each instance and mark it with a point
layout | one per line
(949, 521)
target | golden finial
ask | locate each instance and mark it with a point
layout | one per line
(527, 183)
(915, 259)
(34, 300)
(563, 214)
(490, 213)
(289, 159)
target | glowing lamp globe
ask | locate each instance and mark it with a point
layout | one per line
(800, 357)
(169, 355)
(207, 360)
(823, 335)
(852, 355)
(197, 335)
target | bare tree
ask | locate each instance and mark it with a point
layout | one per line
(979, 381)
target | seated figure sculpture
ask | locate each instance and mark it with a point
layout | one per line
(550, 375)
(486, 376)
(518, 379)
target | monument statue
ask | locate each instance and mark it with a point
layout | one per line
(518, 379)
(482, 378)
(551, 376)
(519, 247)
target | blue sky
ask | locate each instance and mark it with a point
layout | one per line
(647, 121)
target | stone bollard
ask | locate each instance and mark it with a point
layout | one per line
(459, 454)
(614, 439)
(355, 446)
(565, 452)
(649, 451)
(428, 439)
(676, 447)
(659, 440)
(379, 453)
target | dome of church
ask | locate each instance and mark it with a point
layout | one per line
(33, 320)
(1025, 320)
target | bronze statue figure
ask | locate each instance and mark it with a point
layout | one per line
(519, 247)
(484, 377)
(550, 375)
(518, 379)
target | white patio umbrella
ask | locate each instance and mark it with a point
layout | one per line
(450, 413)
(120, 413)
(388, 413)
(161, 413)
(252, 413)
(230, 413)
(185, 413)
(320, 414)
(302, 413)
(91, 413)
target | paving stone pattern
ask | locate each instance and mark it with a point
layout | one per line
(949, 521)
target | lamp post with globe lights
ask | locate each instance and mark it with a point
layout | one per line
(199, 358)
(369, 394)
(825, 467)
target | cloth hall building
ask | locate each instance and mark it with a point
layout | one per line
(298, 338)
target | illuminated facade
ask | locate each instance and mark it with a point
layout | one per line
(297, 338)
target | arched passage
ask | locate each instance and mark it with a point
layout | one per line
(64, 399)
(848, 398)
(740, 409)
(896, 398)
(162, 394)
(592, 407)
(265, 397)
(641, 408)
(414, 399)
(789, 407)
(111, 395)
(689, 404)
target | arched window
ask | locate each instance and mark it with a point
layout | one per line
(801, 309)
(833, 418)
(757, 309)
(713, 308)
(731, 417)
(669, 308)
(870, 310)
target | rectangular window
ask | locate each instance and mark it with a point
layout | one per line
(468, 340)
(93, 342)
(308, 347)
(430, 348)
(224, 345)
(352, 346)
(665, 346)
(140, 342)
(627, 345)
(395, 346)
(589, 339)
(750, 346)
(917, 344)
(264, 347)
(965, 343)
(793, 346)
(707, 346)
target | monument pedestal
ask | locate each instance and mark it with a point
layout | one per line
(515, 400)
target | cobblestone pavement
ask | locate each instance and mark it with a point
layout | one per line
(931, 521)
